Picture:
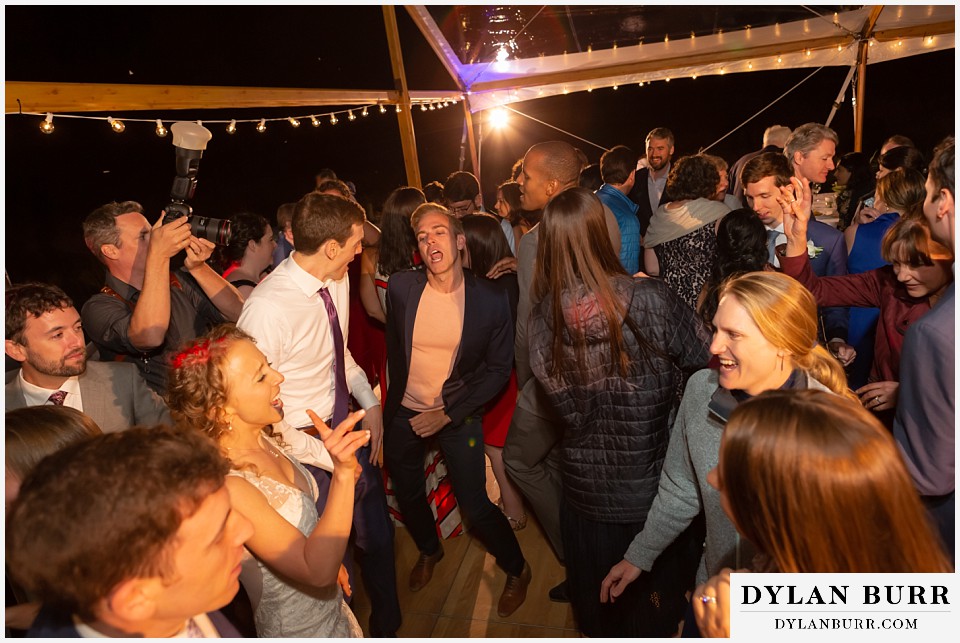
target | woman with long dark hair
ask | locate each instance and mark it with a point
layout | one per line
(397, 250)
(486, 246)
(610, 351)
(741, 248)
(859, 512)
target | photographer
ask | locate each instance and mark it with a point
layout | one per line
(145, 310)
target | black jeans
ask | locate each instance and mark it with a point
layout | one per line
(462, 446)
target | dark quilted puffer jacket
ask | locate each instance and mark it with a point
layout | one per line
(616, 428)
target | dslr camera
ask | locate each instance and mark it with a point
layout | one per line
(190, 139)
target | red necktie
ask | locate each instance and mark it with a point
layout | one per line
(56, 398)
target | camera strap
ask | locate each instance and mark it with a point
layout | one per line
(107, 290)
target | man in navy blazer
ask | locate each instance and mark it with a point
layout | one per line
(649, 187)
(449, 351)
(762, 177)
(44, 334)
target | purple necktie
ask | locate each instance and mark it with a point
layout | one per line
(56, 398)
(341, 394)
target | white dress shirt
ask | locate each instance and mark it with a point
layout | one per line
(35, 395)
(287, 317)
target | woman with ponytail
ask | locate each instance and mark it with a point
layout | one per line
(765, 339)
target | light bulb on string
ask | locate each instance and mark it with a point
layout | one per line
(383, 110)
(333, 119)
(161, 130)
(116, 125)
(262, 125)
(294, 122)
(232, 127)
(364, 112)
(46, 125)
(399, 109)
(432, 107)
(314, 121)
(350, 115)
(423, 107)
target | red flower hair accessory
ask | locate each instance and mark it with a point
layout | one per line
(194, 355)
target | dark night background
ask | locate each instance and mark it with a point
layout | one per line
(53, 182)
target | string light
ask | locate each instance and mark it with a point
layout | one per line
(262, 126)
(750, 65)
(779, 58)
(929, 40)
(315, 121)
(117, 125)
(232, 127)
(399, 109)
(589, 89)
(432, 107)
(161, 130)
(364, 112)
(350, 115)
(840, 47)
(616, 87)
(423, 107)
(46, 126)
(668, 79)
(722, 71)
(383, 110)
(333, 119)
(809, 52)
(900, 43)
(694, 76)
(294, 122)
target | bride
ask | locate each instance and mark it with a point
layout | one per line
(221, 384)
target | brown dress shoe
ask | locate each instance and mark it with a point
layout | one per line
(422, 571)
(514, 591)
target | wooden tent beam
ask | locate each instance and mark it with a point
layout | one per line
(103, 97)
(862, 53)
(916, 31)
(657, 65)
(408, 138)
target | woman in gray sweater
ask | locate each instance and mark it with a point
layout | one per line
(765, 339)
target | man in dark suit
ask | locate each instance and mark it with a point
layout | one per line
(449, 351)
(650, 183)
(44, 334)
(763, 176)
(129, 534)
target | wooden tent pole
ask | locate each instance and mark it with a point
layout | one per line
(862, 52)
(471, 138)
(404, 118)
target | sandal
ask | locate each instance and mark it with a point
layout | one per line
(515, 523)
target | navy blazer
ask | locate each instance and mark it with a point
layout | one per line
(484, 358)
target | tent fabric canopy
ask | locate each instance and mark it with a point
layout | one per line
(813, 41)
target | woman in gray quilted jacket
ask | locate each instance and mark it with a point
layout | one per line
(611, 352)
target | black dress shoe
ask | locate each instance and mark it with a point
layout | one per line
(559, 593)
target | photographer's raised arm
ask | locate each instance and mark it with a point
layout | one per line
(151, 314)
(221, 293)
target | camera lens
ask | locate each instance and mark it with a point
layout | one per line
(215, 230)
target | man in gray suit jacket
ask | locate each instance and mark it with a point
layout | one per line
(44, 334)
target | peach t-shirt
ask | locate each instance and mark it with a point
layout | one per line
(436, 339)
